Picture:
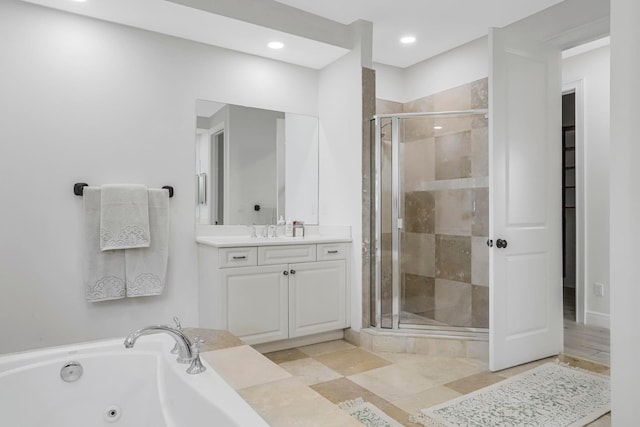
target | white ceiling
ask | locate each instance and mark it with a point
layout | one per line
(438, 25)
(166, 17)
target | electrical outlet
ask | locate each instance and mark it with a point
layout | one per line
(598, 289)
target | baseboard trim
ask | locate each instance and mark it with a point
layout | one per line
(602, 320)
(351, 336)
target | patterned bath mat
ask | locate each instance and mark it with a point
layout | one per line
(367, 413)
(551, 395)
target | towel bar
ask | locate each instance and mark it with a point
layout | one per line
(78, 188)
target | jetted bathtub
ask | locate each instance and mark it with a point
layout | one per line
(139, 387)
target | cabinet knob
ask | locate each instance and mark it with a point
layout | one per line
(286, 273)
(293, 272)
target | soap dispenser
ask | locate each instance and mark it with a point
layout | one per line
(288, 229)
(298, 229)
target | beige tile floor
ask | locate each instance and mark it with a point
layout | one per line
(276, 395)
(400, 384)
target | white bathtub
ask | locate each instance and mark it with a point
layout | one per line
(139, 387)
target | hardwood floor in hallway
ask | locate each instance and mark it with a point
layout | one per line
(585, 341)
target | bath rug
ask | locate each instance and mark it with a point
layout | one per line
(551, 395)
(367, 413)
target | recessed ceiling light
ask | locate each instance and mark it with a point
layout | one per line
(437, 127)
(276, 45)
(408, 40)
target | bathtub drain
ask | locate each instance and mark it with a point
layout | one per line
(112, 414)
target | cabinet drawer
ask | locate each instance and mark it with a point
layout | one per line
(330, 251)
(269, 255)
(238, 257)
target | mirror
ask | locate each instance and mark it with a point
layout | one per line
(255, 165)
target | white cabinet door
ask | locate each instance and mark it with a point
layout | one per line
(526, 270)
(317, 297)
(256, 302)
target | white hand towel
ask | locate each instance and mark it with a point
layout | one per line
(146, 268)
(103, 271)
(124, 217)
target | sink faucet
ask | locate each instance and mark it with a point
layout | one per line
(254, 235)
(185, 354)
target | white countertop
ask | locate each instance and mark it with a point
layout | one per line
(236, 241)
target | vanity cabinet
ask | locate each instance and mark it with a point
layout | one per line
(257, 303)
(270, 293)
(317, 292)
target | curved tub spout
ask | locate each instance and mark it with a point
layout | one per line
(185, 354)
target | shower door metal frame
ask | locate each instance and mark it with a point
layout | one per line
(377, 215)
(397, 225)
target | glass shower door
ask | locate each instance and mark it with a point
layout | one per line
(430, 267)
(443, 206)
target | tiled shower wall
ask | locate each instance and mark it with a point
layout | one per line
(445, 200)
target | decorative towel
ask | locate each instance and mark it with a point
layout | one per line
(103, 271)
(124, 217)
(146, 268)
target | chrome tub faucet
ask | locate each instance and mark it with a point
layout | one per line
(185, 353)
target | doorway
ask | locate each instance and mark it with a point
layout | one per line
(569, 267)
(217, 178)
(585, 253)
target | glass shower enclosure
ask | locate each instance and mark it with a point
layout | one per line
(429, 225)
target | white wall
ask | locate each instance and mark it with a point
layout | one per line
(114, 104)
(340, 108)
(390, 82)
(624, 207)
(592, 68)
(455, 67)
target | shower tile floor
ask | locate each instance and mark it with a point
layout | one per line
(400, 384)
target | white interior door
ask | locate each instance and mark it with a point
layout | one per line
(525, 134)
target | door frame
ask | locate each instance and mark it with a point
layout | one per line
(214, 173)
(577, 87)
